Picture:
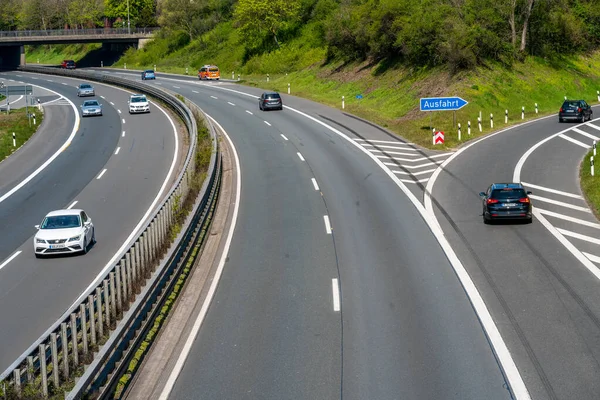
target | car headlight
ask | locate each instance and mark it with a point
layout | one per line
(39, 240)
(75, 238)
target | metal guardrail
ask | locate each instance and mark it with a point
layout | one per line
(77, 32)
(81, 331)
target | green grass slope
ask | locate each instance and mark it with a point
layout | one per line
(55, 54)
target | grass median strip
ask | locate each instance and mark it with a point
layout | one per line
(18, 122)
(590, 185)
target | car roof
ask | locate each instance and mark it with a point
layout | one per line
(270, 93)
(149, 70)
(138, 95)
(90, 101)
(511, 185)
(64, 212)
(85, 84)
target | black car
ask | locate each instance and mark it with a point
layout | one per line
(506, 201)
(577, 110)
(270, 101)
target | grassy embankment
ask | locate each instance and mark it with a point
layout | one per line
(590, 185)
(55, 54)
(18, 123)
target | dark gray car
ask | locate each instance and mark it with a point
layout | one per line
(577, 110)
(85, 89)
(270, 101)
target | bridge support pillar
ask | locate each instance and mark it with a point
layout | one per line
(142, 43)
(22, 55)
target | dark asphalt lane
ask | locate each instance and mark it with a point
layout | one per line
(34, 293)
(545, 303)
(407, 329)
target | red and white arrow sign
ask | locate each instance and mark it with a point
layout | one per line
(438, 137)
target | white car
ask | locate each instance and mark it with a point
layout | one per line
(64, 231)
(138, 103)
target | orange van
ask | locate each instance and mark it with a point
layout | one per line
(209, 72)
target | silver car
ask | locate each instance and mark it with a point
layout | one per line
(91, 107)
(85, 89)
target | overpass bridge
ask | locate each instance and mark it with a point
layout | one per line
(12, 43)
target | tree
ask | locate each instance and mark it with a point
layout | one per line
(138, 10)
(258, 19)
(176, 14)
(526, 16)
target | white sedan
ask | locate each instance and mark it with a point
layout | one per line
(64, 231)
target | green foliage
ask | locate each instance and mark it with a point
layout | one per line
(590, 185)
(18, 123)
(141, 12)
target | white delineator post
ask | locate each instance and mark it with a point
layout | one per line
(39, 105)
(433, 136)
(154, 67)
(592, 165)
(491, 120)
(125, 65)
(288, 88)
(565, 97)
(186, 70)
(479, 123)
(598, 93)
(232, 75)
(459, 133)
(536, 108)
(33, 116)
(101, 64)
(523, 112)
(594, 147)
(506, 116)
(469, 128)
(14, 140)
(343, 103)
(268, 77)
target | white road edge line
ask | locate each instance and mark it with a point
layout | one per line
(117, 151)
(72, 205)
(283, 136)
(335, 288)
(549, 190)
(568, 218)
(101, 173)
(514, 378)
(300, 156)
(559, 203)
(327, 224)
(119, 111)
(267, 123)
(185, 351)
(574, 141)
(9, 259)
(111, 103)
(315, 184)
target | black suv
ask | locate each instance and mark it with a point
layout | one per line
(578, 110)
(270, 100)
(506, 201)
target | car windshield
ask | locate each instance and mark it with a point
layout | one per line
(272, 96)
(570, 104)
(138, 99)
(90, 103)
(502, 194)
(70, 62)
(149, 72)
(61, 222)
(85, 86)
(214, 69)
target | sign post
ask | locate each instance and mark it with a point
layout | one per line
(442, 104)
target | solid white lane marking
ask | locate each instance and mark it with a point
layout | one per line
(314, 182)
(119, 111)
(427, 171)
(335, 287)
(596, 127)
(383, 141)
(559, 203)
(267, 123)
(592, 257)
(283, 136)
(117, 151)
(568, 218)
(195, 91)
(249, 112)
(584, 133)
(300, 157)
(579, 236)
(327, 224)
(214, 97)
(123, 134)
(176, 87)
(230, 103)
(574, 141)
(123, 120)
(9, 259)
(411, 181)
(545, 189)
(112, 104)
(187, 347)
(101, 173)
(392, 147)
(72, 205)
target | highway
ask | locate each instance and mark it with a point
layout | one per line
(114, 167)
(404, 328)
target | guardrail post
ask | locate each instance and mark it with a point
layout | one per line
(133, 275)
(99, 307)
(30, 369)
(106, 301)
(129, 268)
(143, 255)
(64, 342)
(54, 350)
(232, 75)
(74, 339)
(125, 291)
(17, 379)
(152, 240)
(92, 319)
(113, 301)
(84, 337)
(119, 286)
(43, 369)
(163, 226)
(148, 247)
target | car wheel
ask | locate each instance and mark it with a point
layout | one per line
(93, 237)
(486, 221)
(38, 255)
(591, 116)
(561, 120)
(582, 118)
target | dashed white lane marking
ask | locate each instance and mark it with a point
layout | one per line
(559, 203)
(5, 263)
(123, 120)
(579, 236)
(591, 257)
(49, 80)
(545, 189)
(335, 287)
(283, 136)
(230, 103)
(20, 76)
(101, 173)
(267, 123)
(382, 141)
(158, 83)
(117, 150)
(300, 157)
(195, 91)
(112, 104)
(327, 224)
(596, 127)
(102, 97)
(214, 97)
(568, 218)
(72, 205)
(176, 87)
(123, 134)
(249, 112)
(574, 141)
(584, 133)
(119, 111)
(392, 147)
(35, 79)
(427, 171)
(314, 182)
(64, 83)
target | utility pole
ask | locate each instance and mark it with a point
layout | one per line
(128, 23)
